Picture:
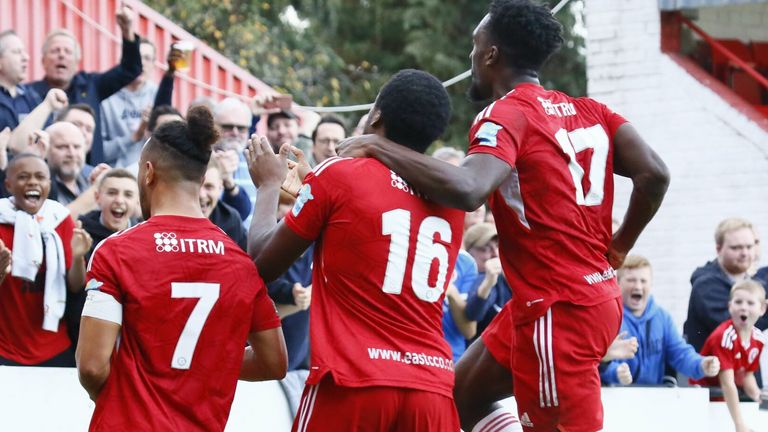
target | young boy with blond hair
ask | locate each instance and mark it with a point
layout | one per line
(738, 343)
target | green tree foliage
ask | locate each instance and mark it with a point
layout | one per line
(344, 50)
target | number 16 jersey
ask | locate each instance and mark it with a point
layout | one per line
(383, 258)
(553, 212)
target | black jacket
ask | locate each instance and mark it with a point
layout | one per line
(708, 304)
(228, 219)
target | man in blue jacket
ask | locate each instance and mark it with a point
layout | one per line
(659, 343)
(61, 56)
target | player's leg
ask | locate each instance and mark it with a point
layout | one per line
(557, 385)
(483, 378)
(326, 407)
(585, 335)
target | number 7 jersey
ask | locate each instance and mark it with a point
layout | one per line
(383, 258)
(553, 212)
(189, 297)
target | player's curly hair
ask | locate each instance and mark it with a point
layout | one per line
(415, 109)
(184, 147)
(526, 33)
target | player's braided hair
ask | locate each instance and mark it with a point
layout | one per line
(186, 145)
(526, 32)
(415, 109)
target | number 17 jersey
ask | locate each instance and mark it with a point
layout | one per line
(553, 212)
(383, 258)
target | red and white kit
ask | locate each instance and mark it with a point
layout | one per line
(383, 258)
(554, 223)
(733, 353)
(189, 297)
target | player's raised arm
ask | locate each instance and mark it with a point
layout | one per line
(268, 172)
(633, 158)
(272, 245)
(465, 187)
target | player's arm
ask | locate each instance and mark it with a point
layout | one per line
(266, 358)
(633, 158)
(731, 394)
(268, 171)
(464, 187)
(94, 351)
(273, 245)
(282, 248)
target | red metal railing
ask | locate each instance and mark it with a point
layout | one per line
(733, 58)
(94, 25)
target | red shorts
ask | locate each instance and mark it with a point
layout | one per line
(554, 361)
(498, 337)
(332, 408)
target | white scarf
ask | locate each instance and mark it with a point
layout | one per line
(29, 234)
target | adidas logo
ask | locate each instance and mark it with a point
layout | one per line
(525, 420)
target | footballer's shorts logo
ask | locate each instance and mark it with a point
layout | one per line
(166, 242)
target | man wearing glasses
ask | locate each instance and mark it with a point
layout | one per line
(233, 118)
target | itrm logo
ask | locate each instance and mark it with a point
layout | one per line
(166, 242)
(169, 242)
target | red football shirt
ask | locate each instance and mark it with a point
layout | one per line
(22, 338)
(733, 353)
(190, 296)
(383, 258)
(553, 213)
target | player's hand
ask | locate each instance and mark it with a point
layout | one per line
(5, 260)
(297, 171)
(56, 99)
(98, 172)
(125, 17)
(266, 167)
(81, 241)
(357, 146)
(622, 348)
(302, 296)
(710, 365)
(38, 143)
(623, 374)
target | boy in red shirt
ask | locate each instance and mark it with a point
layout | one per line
(737, 343)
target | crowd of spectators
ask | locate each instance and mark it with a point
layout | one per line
(70, 145)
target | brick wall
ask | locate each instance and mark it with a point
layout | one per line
(717, 157)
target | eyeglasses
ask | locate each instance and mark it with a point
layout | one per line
(234, 127)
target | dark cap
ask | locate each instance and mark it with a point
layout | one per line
(281, 114)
